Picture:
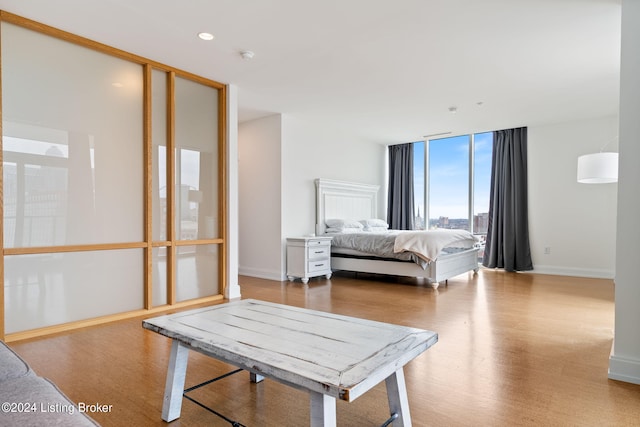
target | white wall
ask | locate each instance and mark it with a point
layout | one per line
(232, 288)
(260, 207)
(280, 157)
(576, 221)
(316, 150)
(625, 359)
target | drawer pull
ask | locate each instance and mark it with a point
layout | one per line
(319, 265)
(318, 252)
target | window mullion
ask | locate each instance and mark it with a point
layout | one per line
(426, 184)
(471, 180)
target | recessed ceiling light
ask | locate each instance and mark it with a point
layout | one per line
(117, 84)
(206, 36)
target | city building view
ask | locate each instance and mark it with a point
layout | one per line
(480, 226)
(480, 223)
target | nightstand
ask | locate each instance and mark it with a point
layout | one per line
(308, 257)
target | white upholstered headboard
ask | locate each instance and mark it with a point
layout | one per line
(344, 200)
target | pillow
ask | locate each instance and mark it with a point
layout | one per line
(343, 230)
(376, 229)
(343, 223)
(378, 224)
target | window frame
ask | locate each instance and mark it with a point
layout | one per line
(471, 189)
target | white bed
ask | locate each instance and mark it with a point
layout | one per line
(348, 200)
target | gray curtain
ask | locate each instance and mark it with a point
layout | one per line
(507, 243)
(400, 212)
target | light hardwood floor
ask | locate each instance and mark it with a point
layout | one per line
(513, 350)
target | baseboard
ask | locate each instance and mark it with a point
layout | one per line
(261, 273)
(539, 269)
(623, 369)
(572, 271)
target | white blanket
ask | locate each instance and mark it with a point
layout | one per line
(428, 244)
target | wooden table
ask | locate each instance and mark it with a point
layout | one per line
(328, 355)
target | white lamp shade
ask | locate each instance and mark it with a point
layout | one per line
(598, 168)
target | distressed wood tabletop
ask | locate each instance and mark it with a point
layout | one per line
(336, 355)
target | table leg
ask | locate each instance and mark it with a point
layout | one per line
(323, 410)
(398, 401)
(255, 378)
(174, 387)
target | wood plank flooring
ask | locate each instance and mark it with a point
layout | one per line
(514, 350)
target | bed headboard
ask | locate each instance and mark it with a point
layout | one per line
(344, 200)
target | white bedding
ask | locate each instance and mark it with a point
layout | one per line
(421, 247)
(428, 244)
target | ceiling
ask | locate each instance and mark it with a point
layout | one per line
(388, 71)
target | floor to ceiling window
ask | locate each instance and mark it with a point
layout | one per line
(452, 179)
(482, 154)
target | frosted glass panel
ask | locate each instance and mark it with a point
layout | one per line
(197, 272)
(50, 289)
(196, 124)
(72, 143)
(159, 138)
(159, 277)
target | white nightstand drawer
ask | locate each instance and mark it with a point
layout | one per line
(308, 256)
(318, 242)
(319, 252)
(318, 265)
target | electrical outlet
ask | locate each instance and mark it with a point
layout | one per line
(547, 250)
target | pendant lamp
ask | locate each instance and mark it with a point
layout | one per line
(598, 168)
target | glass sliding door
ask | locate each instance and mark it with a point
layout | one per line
(112, 182)
(71, 180)
(61, 146)
(196, 203)
(159, 166)
(160, 175)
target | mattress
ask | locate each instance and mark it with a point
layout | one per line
(383, 245)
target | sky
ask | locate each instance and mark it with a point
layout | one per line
(449, 175)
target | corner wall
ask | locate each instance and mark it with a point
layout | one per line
(260, 206)
(280, 157)
(577, 222)
(232, 288)
(624, 364)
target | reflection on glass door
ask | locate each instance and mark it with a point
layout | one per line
(190, 195)
(35, 192)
